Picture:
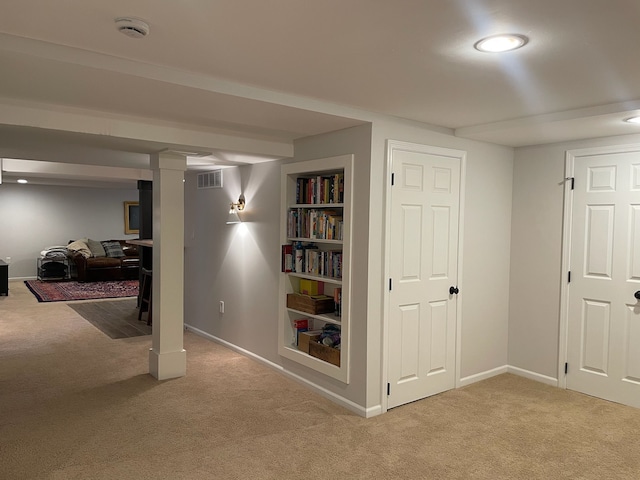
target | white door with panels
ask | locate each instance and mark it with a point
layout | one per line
(603, 334)
(425, 207)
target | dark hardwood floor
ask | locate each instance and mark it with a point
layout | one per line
(117, 319)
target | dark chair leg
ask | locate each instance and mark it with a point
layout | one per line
(145, 297)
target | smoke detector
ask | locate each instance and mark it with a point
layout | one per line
(132, 27)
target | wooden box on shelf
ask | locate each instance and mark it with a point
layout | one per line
(306, 338)
(328, 354)
(315, 305)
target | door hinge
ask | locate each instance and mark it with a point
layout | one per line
(393, 179)
(566, 368)
(569, 277)
(388, 389)
(390, 284)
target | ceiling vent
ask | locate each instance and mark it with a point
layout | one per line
(132, 27)
(210, 179)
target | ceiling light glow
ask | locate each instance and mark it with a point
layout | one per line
(22, 180)
(501, 43)
(633, 119)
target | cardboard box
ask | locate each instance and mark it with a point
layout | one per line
(306, 338)
(328, 354)
(309, 304)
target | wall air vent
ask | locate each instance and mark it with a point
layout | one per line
(210, 179)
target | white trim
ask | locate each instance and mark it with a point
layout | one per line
(346, 403)
(460, 296)
(384, 357)
(478, 377)
(538, 377)
(565, 267)
(18, 279)
(447, 152)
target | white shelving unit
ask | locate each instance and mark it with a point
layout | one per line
(290, 281)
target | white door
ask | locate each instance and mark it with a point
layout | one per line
(603, 337)
(425, 204)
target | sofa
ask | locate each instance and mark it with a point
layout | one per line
(103, 260)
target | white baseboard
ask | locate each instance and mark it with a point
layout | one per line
(482, 376)
(346, 403)
(521, 372)
(17, 279)
(538, 377)
(358, 409)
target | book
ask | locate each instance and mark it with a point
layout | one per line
(337, 301)
(299, 326)
(287, 258)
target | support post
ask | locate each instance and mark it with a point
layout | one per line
(167, 357)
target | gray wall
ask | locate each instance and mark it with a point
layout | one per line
(237, 264)
(536, 252)
(356, 141)
(485, 249)
(33, 217)
(240, 264)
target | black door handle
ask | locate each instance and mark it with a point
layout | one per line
(637, 294)
(454, 290)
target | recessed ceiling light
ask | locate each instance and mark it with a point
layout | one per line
(501, 43)
(633, 119)
(22, 180)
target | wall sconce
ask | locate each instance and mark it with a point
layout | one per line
(234, 209)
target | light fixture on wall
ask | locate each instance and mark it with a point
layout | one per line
(234, 209)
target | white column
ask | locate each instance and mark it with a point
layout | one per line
(167, 357)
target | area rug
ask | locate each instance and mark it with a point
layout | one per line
(68, 291)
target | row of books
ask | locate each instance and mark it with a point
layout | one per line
(315, 224)
(320, 189)
(308, 259)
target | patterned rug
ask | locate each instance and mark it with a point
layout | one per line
(68, 291)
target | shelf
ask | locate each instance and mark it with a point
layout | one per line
(315, 240)
(339, 223)
(316, 205)
(311, 361)
(325, 317)
(308, 276)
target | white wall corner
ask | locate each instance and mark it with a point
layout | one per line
(478, 377)
(538, 377)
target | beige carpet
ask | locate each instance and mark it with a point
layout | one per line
(75, 404)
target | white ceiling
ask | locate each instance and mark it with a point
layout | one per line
(278, 70)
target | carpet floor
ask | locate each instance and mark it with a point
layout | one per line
(70, 291)
(76, 405)
(116, 319)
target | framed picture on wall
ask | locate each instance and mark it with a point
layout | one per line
(131, 217)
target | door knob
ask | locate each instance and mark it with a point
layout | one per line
(637, 294)
(454, 291)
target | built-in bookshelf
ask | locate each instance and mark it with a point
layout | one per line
(315, 263)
